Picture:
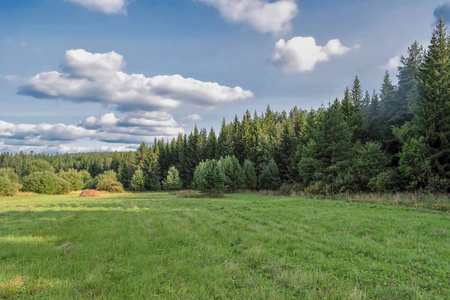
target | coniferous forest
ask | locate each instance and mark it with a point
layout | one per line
(393, 139)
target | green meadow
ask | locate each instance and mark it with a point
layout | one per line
(244, 246)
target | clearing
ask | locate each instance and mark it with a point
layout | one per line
(245, 246)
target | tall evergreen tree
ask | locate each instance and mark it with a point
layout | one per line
(347, 106)
(433, 118)
(357, 94)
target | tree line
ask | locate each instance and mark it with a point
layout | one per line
(394, 139)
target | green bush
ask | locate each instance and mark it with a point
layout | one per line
(209, 178)
(385, 182)
(45, 183)
(75, 178)
(108, 182)
(173, 180)
(7, 188)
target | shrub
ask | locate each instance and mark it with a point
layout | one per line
(290, 189)
(209, 178)
(7, 188)
(384, 182)
(45, 183)
(173, 180)
(75, 178)
(106, 181)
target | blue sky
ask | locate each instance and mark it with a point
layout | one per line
(80, 75)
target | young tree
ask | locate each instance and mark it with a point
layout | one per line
(172, 181)
(209, 178)
(235, 178)
(138, 181)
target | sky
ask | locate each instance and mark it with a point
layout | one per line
(105, 75)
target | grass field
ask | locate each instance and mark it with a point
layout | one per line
(245, 246)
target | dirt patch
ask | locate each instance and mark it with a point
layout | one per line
(89, 194)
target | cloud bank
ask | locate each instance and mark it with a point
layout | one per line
(105, 6)
(301, 54)
(264, 16)
(97, 77)
(132, 128)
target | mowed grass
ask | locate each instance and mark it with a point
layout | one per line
(245, 246)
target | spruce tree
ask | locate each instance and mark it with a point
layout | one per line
(270, 176)
(250, 180)
(433, 117)
(173, 180)
(347, 107)
(138, 181)
(357, 94)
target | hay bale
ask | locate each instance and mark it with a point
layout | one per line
(89, 194)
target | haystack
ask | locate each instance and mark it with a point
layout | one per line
(89, 194)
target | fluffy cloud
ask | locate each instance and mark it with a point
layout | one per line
(192, 118)
(106, 6)
(96, 77)
(392, 64)
(264, 16)
(301, 54)
(132, 128)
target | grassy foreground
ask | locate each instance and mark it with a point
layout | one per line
(246, 246)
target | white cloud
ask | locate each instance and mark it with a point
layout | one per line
(264, 16)
(392, 64)
(96, 77)
(301, 54)
(131, 128)
(192, 118)
(65, 148)
(106, 6)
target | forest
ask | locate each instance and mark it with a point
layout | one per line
(390, 140)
